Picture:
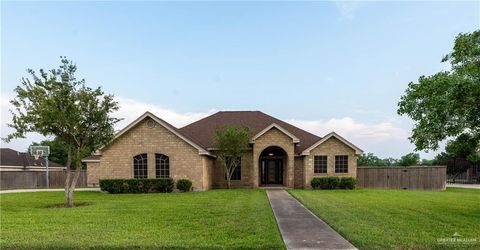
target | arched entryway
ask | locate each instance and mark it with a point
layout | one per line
(272, 163)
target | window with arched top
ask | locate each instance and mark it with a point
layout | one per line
(162, 166)
(140, 166)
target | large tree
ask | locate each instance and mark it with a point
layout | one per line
(230, 144)
(56, 103)
(459, 155)
(447, 104)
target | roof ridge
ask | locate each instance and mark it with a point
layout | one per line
(232, 111)
(202, 130)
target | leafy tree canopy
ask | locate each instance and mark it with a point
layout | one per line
(55, 103)
(411, 159)
(447, 104)
(465, 146)
(370, 159)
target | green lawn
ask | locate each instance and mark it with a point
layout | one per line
(212, 219)
(398, 219)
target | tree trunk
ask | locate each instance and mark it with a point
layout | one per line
(68, 195)
(69, 202)
(70, 183)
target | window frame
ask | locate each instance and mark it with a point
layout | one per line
(140, 166)
(162, 166)
(320, 169)
(341, 164)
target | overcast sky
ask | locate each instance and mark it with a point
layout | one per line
(323, 66)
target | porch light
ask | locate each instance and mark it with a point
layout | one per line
(270, 154)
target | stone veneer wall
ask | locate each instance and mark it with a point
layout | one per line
(330, 148)
(274, 137)
(117, 158)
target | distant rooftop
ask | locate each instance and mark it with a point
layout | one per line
(10, 157)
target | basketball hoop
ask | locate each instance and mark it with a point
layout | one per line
(42, 151)
(37, 154)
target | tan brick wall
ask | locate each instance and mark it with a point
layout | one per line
(299, 172)
(246, 179)
(117, 158)
(274, 137)
(93, 172)
(330, 148)
(208, 164)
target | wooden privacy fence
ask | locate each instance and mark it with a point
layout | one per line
(37, 179)
(414, 177)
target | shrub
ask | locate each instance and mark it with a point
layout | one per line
(333, 182)
(328, 182)
(133, 186)
(315, 182)
(184, 185)
(347, 182)
(324, 182)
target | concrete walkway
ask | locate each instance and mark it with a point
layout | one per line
(300, 228)
(45, 190)
(456, 185)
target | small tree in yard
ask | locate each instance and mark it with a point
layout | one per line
(55, 103)
(230, 143)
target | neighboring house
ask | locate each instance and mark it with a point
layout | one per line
(280, 154)
(11, 160)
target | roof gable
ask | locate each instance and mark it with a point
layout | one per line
(163, 123)
(294, 138)
(358, 151)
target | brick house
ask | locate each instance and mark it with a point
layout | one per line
(280, 154)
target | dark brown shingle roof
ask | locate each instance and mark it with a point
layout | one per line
(91, 158)
(202, 131)
(10, 157)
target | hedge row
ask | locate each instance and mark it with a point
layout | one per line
(333, 182)
(133, 186)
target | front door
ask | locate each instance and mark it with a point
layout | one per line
(272, 171)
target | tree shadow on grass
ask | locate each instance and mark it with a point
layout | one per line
(75, 204)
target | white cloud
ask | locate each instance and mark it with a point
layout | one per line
(6, 117)
(349, 127)
(129, 110)
(347, 9)
(385, 138)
